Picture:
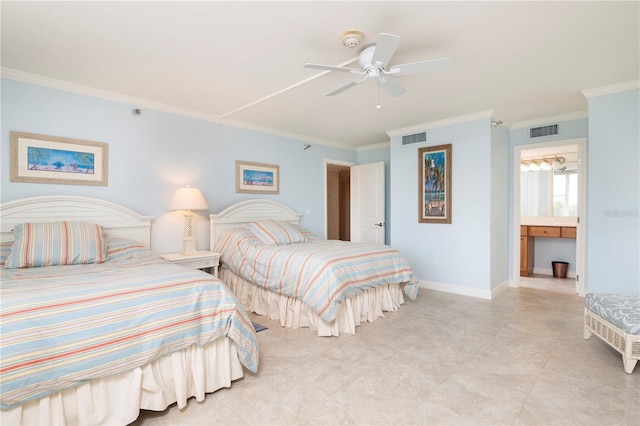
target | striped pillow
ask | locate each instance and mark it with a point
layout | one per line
(274, 232)
(121, 248)
(55, 244)
(5, 249)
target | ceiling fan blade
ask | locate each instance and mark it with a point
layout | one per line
(345, 87)
(385, 48)
(332, 68)
(432, 65)
(391, 87)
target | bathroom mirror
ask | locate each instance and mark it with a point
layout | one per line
(549, 182)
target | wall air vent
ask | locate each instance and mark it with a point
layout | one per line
(542, 131)
(416, 138)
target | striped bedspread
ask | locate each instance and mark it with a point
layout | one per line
(321, 273)
(63, 325)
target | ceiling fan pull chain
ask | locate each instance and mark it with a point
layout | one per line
(378, 106)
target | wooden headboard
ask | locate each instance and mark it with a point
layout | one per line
(248, 211)
(117, 221)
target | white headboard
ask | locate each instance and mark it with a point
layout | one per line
(248, 211)
(117, 221)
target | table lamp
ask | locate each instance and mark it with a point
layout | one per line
(188, 199)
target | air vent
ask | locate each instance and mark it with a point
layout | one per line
(542, 131)
(416, 138)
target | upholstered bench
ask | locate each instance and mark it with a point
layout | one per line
(616, 320)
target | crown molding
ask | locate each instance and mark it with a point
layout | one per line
(66, 86)
(611, 89)
(374, 146)
(441, 123)
(550, 119)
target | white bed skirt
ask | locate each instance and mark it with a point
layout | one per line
(292, 313)
(117, 400)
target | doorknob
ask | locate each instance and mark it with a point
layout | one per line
(379, 224)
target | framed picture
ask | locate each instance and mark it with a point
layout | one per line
(434, 184)
(257, 178)
(51, 159)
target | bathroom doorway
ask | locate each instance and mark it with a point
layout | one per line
(549, 196)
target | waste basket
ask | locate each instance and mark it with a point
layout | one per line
(560, 269)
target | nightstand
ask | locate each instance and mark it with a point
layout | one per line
(204, 259)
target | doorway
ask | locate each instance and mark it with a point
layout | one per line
(338, 196)
(563, 206)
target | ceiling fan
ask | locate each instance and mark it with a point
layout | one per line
(374, 61)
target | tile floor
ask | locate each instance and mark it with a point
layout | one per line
(443, 360)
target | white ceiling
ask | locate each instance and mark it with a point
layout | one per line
(241, 62)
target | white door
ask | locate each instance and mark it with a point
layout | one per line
(367, 203)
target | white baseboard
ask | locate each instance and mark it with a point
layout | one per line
(457, 289)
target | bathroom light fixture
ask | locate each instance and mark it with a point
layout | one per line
(188, 199)
(544, 163)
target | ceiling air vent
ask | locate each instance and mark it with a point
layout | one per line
(416, 138)
(542, 131)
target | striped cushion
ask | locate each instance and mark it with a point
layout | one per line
(274, 232)
(55, 244)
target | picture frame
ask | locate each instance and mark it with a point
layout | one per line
(434, 184)
(56, 160)
(257, 178)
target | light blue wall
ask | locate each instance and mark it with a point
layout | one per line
(462, 249)
(153, 154)
(613, 201)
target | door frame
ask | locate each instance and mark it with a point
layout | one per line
(328, 161)
(581, 278)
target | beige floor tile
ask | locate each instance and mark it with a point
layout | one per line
(443, 359)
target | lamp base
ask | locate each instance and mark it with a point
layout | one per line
(188, 246)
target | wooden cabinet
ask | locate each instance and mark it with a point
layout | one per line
(544, 231)
(527, 238)
(526, 256)
(568, 232)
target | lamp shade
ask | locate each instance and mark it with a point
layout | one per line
(188, 199)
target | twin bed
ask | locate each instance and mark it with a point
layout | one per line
(278, 269)
(114, 328)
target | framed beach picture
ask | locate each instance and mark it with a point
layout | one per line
(434, 184)
(52, 159)
(257, 178)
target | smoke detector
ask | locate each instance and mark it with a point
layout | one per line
(352, 39)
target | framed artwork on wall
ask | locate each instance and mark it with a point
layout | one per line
(52, 159)
(257, 178)
(434, 184)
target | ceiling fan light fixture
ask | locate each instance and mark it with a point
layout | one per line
(374, 60)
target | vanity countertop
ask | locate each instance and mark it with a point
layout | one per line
(549, 220)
